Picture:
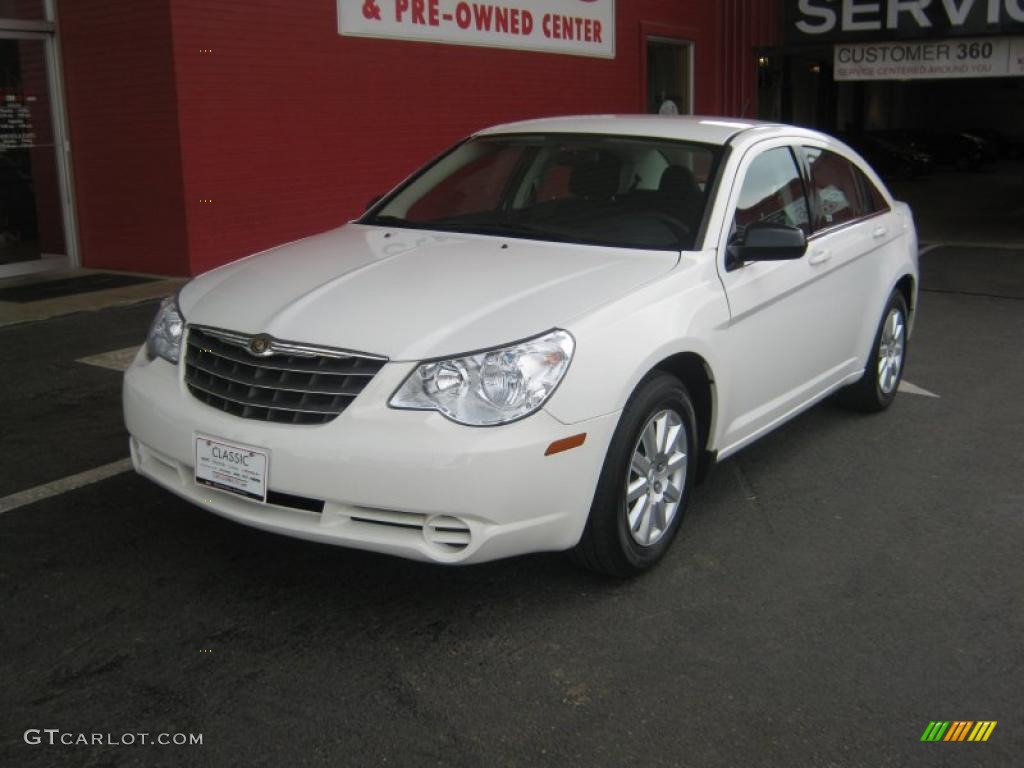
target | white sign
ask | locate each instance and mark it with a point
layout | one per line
(926, 59)
(578, 27)
(231, 467)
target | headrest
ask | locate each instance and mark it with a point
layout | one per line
(677, 182)
(596, 179)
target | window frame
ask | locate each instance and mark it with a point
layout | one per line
(862, 194)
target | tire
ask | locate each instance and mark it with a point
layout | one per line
(622, 539)
(877, 388)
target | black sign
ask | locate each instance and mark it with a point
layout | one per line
(847, 20)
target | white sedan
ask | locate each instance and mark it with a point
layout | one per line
(539, 341)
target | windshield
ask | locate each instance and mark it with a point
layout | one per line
(600, 190)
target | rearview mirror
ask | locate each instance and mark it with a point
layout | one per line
(764, 241)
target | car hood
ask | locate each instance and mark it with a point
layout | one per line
(414, 294)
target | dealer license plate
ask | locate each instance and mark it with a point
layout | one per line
(233, 468)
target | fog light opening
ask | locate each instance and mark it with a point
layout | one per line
(447, 533)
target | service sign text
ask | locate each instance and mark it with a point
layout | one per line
(833, 20)
(922, 60)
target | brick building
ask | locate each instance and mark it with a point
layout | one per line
(187, 133)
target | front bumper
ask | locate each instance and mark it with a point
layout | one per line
(406, 483)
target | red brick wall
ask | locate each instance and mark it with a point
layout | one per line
(287, 128)
(745, 25)
(123, 128)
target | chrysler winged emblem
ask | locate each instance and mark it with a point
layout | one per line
(260, 345)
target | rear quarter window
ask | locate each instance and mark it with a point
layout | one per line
(871, 197)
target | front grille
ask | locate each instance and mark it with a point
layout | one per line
(295, 384)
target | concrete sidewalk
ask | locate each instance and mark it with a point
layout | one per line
(12, 312)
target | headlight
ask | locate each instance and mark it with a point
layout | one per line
(491, 387)
(165, 333)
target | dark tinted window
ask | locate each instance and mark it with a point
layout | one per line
(602, 190)
(773, 192)
(835, 188)
(872, 198)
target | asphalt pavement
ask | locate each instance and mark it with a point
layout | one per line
(835, 587)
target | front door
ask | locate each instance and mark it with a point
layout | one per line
(781, 331)
(33, 207)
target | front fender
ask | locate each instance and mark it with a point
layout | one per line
(620, 343)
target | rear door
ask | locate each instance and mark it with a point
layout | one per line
(852, 229)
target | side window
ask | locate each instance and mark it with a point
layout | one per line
(874, 200)
(772, 191)
(835, 187)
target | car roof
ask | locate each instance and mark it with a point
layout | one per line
(699, 128)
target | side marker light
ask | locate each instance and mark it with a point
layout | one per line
(566, 444)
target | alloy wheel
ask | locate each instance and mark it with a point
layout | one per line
(890, 351)
(656, 477)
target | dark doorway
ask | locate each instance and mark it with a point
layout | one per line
(669, 76)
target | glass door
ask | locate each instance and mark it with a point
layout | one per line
(37, 227)
(31, 203)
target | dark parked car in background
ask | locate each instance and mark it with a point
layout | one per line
(891, 156)
(947, 149)
(989, 149)
(998, 145)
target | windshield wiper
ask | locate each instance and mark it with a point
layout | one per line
(394, 221)
(507, 228)
(495, 228)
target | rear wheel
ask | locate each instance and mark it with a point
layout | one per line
(645, 481)
(877, 388)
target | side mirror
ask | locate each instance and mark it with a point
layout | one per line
(373, 201)
(764, 241)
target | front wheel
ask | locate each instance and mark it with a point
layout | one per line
(645, 481)
(876, 389)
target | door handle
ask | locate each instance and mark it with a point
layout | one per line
(819, 257)
(878, 232)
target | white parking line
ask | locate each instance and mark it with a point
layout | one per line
(1008, 245)
(928, 248)
(913, 389)
(115, 360)
(65, 484)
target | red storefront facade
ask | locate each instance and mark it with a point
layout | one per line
(203, 130)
